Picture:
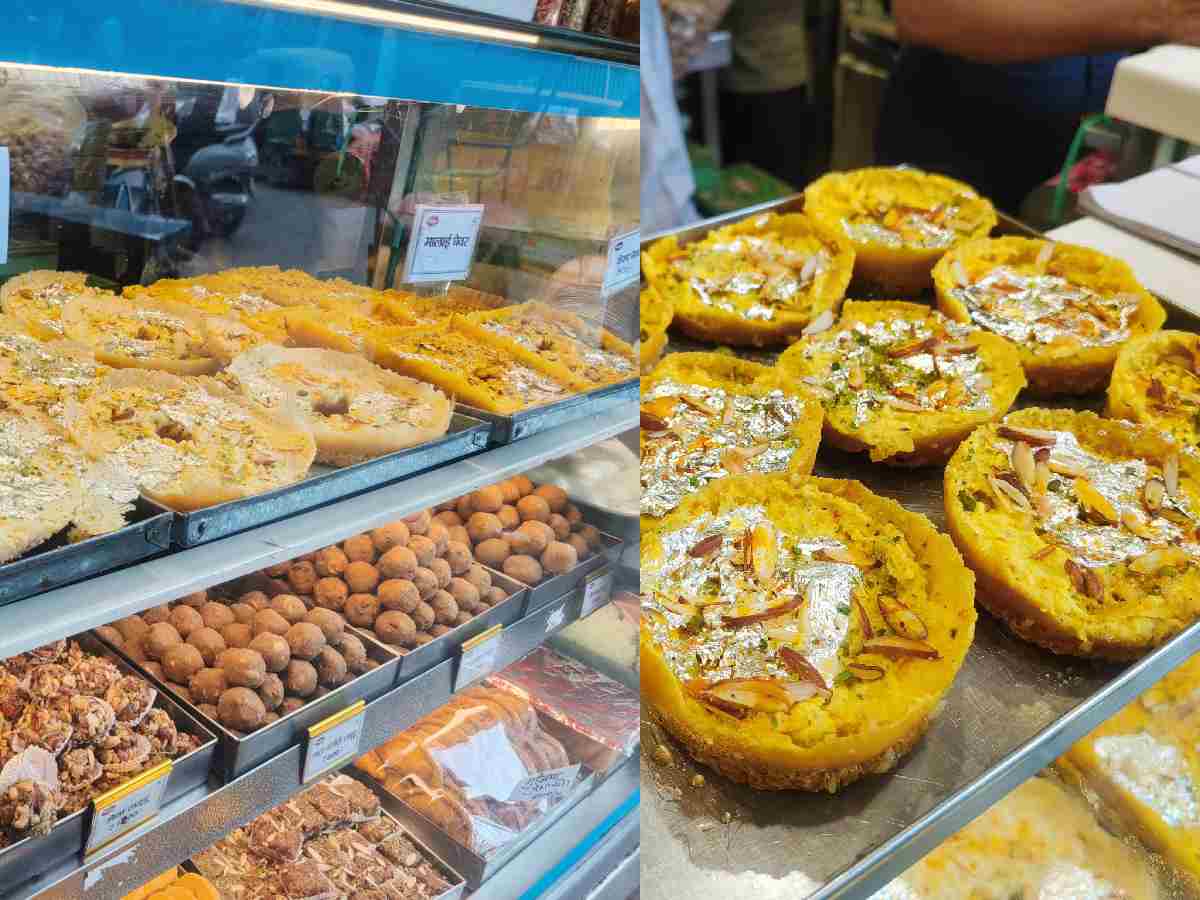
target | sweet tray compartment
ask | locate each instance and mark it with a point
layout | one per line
(32, 856)
(241, 753)
(466, 435)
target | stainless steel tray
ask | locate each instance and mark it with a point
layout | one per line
(558, 586)
(467, 435)
(57, 562)
(507, 429)
(30, 857)
(1011, 710)
(475, 869)
(458, 884)
(241, 754)
(424, 658)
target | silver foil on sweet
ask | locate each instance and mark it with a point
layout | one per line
(1154, 772)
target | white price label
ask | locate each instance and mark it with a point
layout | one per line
(624, 255)
(554, 783)
(490, 836)
(596, 591)
(333, 742)
(479, 657)
(127, 806)
(4, 205)
(443, 241)
(555, 620)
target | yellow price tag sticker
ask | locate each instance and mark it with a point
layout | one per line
(334, 741)
(127, 806)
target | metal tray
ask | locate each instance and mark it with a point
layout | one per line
(507, 429)
(57, 563)
(241, 754)
(458, 884)
(475, 869)
(424, 658)
(1005, 714)
(32, 856)
(558, 586)
(467, 435)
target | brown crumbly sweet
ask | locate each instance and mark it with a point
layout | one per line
(208, 642)
(524, 569)
(442, 571)
(387, 537)
(300, 678)
(360, 548)
(331, 668)
(207, 685)
(160, 638)
(330, 623)
(532, 508)
(237, 635)
(398, 562)
(423, 549)
(181, 661)
(216, 615)
(396, 627)
(305, 640)
(241, 708)
(243, 667)
(273, 649)
(270, 621)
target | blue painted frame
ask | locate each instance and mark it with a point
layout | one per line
(215, 40)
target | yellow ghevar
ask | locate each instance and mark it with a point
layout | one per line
(1041, 841)
(1081, 530)
(705, 416)
(757, 282)
(1144, 765)
(1156, 381)
(1069, 309)
(899, 220)
(476, 373)
(654, 318)
(903, 382)
(563, 344)
(799, 632)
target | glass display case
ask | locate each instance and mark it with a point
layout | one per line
(319, 373)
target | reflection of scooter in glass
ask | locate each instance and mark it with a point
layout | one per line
(217, 159)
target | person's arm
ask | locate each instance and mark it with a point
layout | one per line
(1022, 30)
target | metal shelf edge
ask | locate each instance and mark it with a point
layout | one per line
(201, 817)
(98, 601)
(891, 858)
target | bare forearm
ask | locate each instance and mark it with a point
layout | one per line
(1022, 30)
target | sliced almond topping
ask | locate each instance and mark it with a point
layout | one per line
(912, 348)
(764, 551)
(1045, 551)
(864, 671)
(1155, 390)
(836, 554)
(702, 408)
(896, 647)
(1043, 257)
(823, 322)
(802, 668)
(799, 691)
(1036, 437)
(1006, 492)
(1171, 475)
(1041, 476)
(706, 546)
(773, 612)
(651, 422)
(957, 348)
(901, 619)
(960, 273)
(864, 619)
(903, 405)
(1084, 580)
(727, 413)
(1138, 524)
(856, 378)
(679, 607)
(814, 385)
(1025, 467)
(1153, 495)
(1096, 506)
(1157, 560)
(1066, 469)
(733, 461)
(747, 694)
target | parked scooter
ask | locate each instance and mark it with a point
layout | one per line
(216, 158)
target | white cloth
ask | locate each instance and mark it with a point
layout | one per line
(666, 174)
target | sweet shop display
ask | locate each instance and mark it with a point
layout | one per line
(330, 841)
(272, 316)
